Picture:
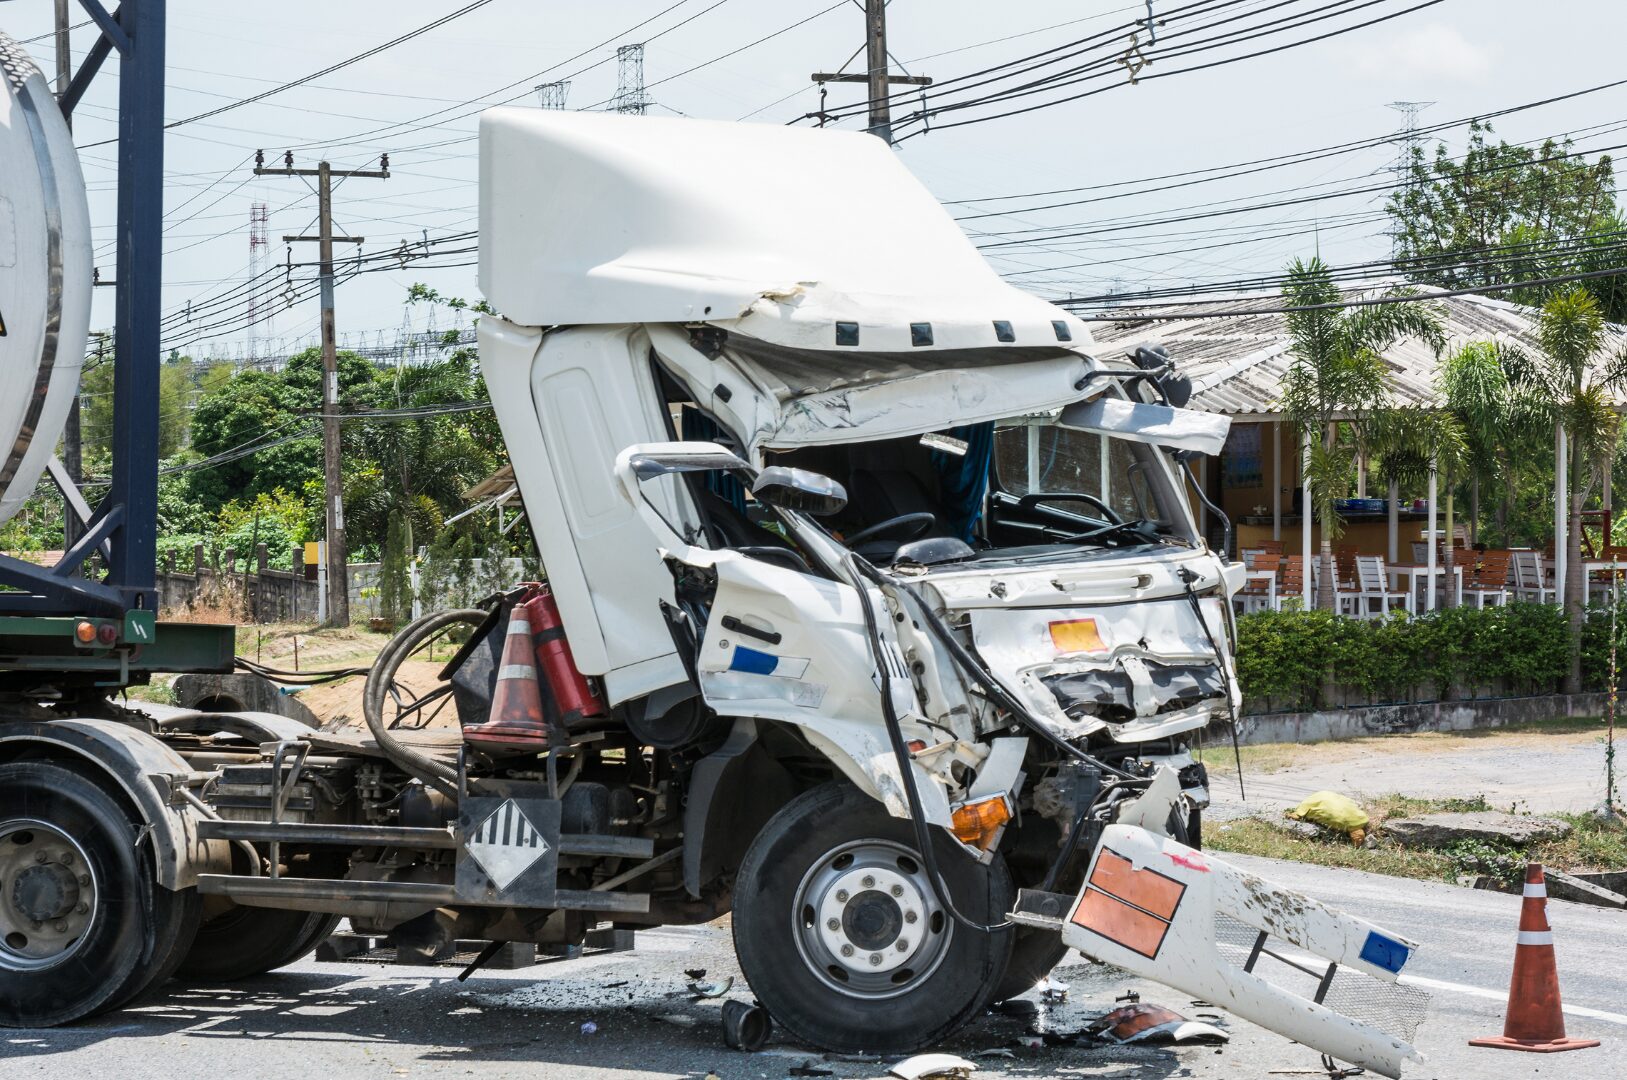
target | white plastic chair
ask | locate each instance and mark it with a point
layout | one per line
(1530, 576)
(1374, 584)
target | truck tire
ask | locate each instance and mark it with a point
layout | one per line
(841, 936)
(245, 941)
(83, 925)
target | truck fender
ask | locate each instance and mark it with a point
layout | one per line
(146, 772)
(733, 792)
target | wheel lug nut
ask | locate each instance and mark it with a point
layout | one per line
(61, 925)
(841, 895)
(834, 924)
(898, 890)
(67, 858)
(847, 950)
(869, 882)
(875, 959)
(84, 879)
(37, 925)
(83, 909)
(903, 945)
(910, 916)
(40, 856)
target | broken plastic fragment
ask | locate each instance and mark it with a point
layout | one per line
(1149, 1023)
(711, 989)
(589, 1027)
(925, 1066)
(1053, 991)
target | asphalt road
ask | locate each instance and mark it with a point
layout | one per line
(367, 1020)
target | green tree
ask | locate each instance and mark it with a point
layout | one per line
(1503, 213)
(395, 572)
(1505, 432)
(1336, 383)
(1570, 376)
(177, 393)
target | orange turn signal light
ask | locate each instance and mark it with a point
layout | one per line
(978, 824)
(85, 632)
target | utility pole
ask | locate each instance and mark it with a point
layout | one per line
(338, 578)
(877, 76)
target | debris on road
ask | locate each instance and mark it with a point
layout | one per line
(746, 1027)
(932, 1067)
(711, 989)
(589, 1027)
(1148, 1023)
(1052, 991)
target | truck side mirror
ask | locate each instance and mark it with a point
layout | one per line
(799, 489)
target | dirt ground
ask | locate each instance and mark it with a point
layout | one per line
(1540, 768)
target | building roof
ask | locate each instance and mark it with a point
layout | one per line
(1237, 362)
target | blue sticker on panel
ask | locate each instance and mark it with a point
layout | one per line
(1384, 952)
(752, 661)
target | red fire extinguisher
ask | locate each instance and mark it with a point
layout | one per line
(577, 698)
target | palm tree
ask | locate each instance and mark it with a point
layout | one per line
(1504, 423)
(1571, 378)
(1337, 381)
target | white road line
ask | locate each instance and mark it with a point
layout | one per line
(1500, 995)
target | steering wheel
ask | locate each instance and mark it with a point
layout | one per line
(917, 524)
(1033, 499)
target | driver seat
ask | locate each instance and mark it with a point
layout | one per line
(875, 495)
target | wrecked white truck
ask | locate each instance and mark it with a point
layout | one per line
(875, 614)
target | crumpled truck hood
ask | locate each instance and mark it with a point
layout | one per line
(1100, 643)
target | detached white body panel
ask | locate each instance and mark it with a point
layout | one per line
(45, 272)
(1155, 907)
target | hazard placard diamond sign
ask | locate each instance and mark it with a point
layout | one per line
(510, 850)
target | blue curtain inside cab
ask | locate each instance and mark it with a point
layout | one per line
(695, 426)
(963, 478)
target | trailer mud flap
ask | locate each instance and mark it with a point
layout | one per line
(1168, 912)
(508, 851)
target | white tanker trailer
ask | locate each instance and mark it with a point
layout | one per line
(45, 275)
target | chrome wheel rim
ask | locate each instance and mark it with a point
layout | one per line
(48, 895)
(868, 923)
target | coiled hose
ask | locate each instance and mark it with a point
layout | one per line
(439, 775)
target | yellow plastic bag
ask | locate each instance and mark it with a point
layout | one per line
(1333, 811)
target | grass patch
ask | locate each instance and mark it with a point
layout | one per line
(1594, 844)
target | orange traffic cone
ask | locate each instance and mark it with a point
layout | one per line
(516, 721)
(1534, 1020)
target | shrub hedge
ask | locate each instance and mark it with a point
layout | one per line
(1297, 660)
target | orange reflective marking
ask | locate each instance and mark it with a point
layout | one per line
(1146, 889)
(1120, 923)
(1077, 635)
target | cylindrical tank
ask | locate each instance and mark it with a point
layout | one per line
(45, 275)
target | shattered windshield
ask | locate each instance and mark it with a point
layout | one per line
(1093, 476)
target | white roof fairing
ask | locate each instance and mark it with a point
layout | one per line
(773, 232)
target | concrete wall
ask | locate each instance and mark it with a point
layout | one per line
(1355, 723)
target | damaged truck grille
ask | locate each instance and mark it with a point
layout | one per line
(1110, 695)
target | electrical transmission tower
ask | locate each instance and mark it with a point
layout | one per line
(1406, 142)
(259, 314)
(630, 96)
(877, 76)
(552, 95)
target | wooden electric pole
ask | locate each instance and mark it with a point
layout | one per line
(332, 483)
(877, 76)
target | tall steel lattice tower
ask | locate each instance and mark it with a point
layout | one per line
(630, 96)
(259, 310)
(1406, 141)
(552, 95)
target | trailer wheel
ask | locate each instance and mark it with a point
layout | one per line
(840, 934)
(83, 925)
(242, 942)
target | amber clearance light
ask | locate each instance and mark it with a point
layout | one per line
(978, 824)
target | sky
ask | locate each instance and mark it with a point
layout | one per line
(419, 101)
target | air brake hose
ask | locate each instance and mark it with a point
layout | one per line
(437, 774)
(906, 770)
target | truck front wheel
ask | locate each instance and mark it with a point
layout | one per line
(83, 925)
(843, 938)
